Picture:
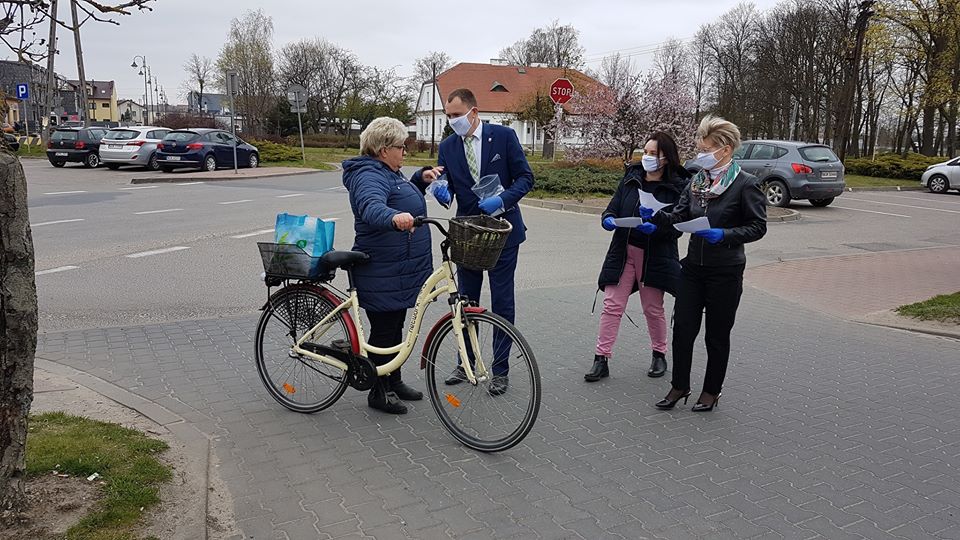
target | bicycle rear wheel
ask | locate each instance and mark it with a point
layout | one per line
(471, 413)
(298, 383)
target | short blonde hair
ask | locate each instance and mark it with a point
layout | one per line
(382, 133)
(720, 131)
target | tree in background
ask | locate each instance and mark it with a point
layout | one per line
(18, 292)
(249, 51)
(199, 71)
(538, 109)
(556, 45)
(423, 71)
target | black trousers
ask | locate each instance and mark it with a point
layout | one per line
(386, 330)
(716, 290)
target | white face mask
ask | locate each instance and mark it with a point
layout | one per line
(461, 125)
(706, 160)
(650, 163)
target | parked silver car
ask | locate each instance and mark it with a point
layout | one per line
(134, 145)
(791, 170)
(942, 177)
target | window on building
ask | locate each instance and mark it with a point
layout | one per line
(105, 105)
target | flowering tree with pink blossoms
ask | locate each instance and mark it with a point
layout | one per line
(617, 121)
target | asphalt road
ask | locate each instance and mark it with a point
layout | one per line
(110, 253)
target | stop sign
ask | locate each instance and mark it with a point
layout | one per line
(561, 91)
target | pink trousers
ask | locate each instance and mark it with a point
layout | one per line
(615, 302)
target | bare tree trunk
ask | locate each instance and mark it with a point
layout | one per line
(926, 136)
(18, 330)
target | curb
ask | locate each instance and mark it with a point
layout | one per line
(173, 178)
(915, 329)
(890, 319)
(578, 208)
(885, 188)
(196, 444)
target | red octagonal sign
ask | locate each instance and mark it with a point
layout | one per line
(561, 91)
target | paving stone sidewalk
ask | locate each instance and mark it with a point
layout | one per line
(826, 429)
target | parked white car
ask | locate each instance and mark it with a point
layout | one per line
(942, 177)
(134, 145)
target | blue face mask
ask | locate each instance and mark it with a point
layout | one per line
(461, 125)
(650, 163)
(705, 160)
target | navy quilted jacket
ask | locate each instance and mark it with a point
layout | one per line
(399, 261)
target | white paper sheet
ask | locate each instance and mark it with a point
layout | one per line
(647, 200)
(694, 225)
(628, 221)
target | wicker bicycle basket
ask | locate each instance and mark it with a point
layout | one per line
(476, 241)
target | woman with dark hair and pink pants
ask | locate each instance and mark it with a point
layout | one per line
(643, 258)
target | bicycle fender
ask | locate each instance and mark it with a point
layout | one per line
(436, 326)
(336, 301)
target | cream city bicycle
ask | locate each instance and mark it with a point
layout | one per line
(311, 345)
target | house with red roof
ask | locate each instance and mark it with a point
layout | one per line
(501, 90)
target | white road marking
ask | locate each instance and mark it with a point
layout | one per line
(188, 183)
(922, 199)
(868, 211)
(55, 222)
(289, 195)
(237, 202)
(140, 187)
(63, 192)
(904, 205)
(158, 211)
(156, 252)
(256, 233)
(55, 270)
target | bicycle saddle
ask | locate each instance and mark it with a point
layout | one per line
(343, 259)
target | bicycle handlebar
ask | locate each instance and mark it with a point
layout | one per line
(423, 220)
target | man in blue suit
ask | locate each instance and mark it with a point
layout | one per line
(478, 150)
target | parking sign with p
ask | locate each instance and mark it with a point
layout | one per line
(23, 91)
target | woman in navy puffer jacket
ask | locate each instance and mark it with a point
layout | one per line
(384, 204)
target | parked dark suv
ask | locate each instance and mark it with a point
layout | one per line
(81, 145)
(205, 149)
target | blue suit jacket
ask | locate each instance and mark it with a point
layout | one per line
(500, 154)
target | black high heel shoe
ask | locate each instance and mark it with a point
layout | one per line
(667, 404)
(700, 407)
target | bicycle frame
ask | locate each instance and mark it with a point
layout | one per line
(440, 282)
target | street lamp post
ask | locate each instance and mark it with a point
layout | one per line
(143, 71)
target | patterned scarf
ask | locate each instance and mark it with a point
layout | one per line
(705, 188)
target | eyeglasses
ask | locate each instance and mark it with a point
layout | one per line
(400, 147)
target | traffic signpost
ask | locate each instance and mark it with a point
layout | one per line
(297, 96)
(560, 92)
(233, 82)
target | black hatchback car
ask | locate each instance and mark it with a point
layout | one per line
(206, 149)
(75, 145)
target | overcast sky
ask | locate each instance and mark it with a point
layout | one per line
(383, 33)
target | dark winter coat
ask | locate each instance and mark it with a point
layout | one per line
(661, 260)
(400, 261)
(741, 211)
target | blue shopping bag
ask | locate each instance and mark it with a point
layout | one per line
(313, 235)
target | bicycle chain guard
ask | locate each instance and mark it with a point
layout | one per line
(363, 373)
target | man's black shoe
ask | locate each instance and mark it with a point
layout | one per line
(498, 385)
(406, 392)
(457, 376)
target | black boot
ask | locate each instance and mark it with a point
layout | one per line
(599, 369)
(404, 391)
(383, 398)
(658, 366)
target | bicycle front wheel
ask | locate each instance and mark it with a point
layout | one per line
(299, 383)
(482, 416)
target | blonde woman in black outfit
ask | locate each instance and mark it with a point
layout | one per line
(712, 272)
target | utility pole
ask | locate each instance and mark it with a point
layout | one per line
(48, 102)
(80, 73)
(433, 110)
(852, 79)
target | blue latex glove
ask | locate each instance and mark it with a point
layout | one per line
(491, 205)
(646, 228)
(608, 223)
(645, 213)
(442, 195)
(714, 236)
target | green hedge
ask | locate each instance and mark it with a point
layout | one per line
(573, 180)
(910, 167)
(273, 152)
